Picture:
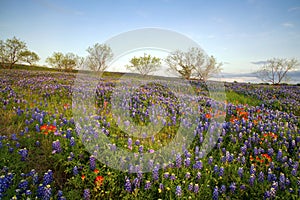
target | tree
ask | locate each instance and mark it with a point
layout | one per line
(3, 55)
(144, 65)
(193, 64)
(275, 70)
(67, 62)
(11, 51)
(29, 57)
(99, 55)
(204, 72)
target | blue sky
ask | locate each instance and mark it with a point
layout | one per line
(236, 32)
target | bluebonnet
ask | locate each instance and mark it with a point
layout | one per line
(261, 176)
(47, 192)
(210, 160)
(221, 172)
(56, 146)
(190, 187)
(86, 194)
(251, 179)
(147, 185)
(172, 177)
(178, 191)
(75, 170)
(198, 165)
(188, 175)
(48, 178)
(161, 186)
(240, 172)
(155, 174)
(216, 169)
(23, 184)
(187, 162)
(72, 141)
(178, 161)
(92, 163)
(215, 195)
(252, 169)
(35, 178)
(40, 191)
(23, 153)
(136, 182)
(232, 187)
(127, 184)
(282, 181)
(196, 188)
(223, 189)
(279, 155)
(198, 175)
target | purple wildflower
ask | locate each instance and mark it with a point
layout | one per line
(178, 191)
(86, 194)
(196, 188)
(216, 193)
(92, 163)
(127, 184)
(147, 185)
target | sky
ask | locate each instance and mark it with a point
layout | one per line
(239, 33)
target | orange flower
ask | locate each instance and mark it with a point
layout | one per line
(52, 128)
(82, 176)
(99, 180)
(44, 127)
(96, 171)
(105, 104)
(251, 158)
(66, 106)
(267, 157)
(208, 115)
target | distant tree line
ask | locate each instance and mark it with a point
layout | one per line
(190, 64)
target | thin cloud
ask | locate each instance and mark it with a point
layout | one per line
(261, 62)
(288, 25)
(58, 8)
(294, 9)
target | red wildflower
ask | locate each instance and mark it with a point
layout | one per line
(52, 128)
(208, 115)
(96, 171)
(44, 127)
(82, 176)
(66, 106)
(99, 180)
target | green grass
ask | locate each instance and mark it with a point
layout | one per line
(236, 98)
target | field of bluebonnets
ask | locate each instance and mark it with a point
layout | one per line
(43, 156)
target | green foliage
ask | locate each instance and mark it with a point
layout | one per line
(144, 65)
(11, 51)
(66, 62)
(29, 57)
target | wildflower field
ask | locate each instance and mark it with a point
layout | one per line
(48, 151)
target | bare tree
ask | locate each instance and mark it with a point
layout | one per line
(212, 67)
(193, 64)
(276, 69)
(98, 56)
(144, 65)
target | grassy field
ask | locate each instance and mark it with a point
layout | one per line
(49, 152)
